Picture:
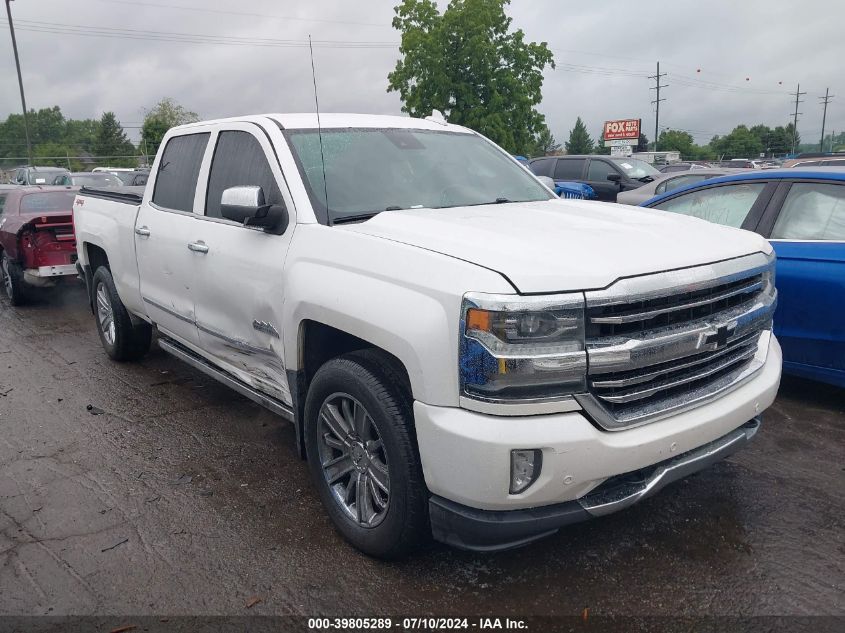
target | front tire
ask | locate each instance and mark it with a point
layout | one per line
(120, 338)
(13, 283)
(362, 454)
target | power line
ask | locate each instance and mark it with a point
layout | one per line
(191, 38)
(132, 3)
(656, 102)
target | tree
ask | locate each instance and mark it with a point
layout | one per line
(579, 140)
(678, 141)
(642, 143)
(545, 144)
(740, 143)
(600, 148)
(112, 142)
(467, 63)
(163, 116)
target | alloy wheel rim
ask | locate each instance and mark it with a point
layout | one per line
(353, 459)
(105, 314)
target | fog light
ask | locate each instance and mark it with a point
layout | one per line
(525, 468)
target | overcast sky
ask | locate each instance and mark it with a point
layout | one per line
(728, 62)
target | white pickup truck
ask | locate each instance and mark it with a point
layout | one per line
(462, 354)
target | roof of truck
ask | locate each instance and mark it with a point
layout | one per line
(336, 120)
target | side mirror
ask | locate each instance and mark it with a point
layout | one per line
(614, 177)
(547, 181)
(247, 206)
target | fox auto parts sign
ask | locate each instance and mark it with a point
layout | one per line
(622, 130)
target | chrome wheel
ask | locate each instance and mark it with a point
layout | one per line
(7, 277)
(105, 313)
(353, 459)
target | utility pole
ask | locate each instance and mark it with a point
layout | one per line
(656, 102)
(824, 100)
(798, 94)
(20, 81)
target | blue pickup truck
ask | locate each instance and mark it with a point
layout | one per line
(802, 213)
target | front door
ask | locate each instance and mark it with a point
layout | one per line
(597, 173)
(163, 239)
(809, 239)
(239, 287)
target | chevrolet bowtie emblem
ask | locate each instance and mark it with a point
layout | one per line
(720, 336)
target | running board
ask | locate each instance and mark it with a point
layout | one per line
(197, 362)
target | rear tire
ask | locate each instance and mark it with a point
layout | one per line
(371, 440)
(120, 338)
(13, 283)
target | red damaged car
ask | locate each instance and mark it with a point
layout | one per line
(37, 242)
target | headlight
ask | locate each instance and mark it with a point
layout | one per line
(521, 349)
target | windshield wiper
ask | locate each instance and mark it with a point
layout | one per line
(360, 217)
(646, 179)
(502, 200)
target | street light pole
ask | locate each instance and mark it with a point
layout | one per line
(20, 81)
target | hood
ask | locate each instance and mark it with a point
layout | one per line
(563, 245)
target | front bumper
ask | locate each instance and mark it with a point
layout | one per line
(466, 458)
(490, 530)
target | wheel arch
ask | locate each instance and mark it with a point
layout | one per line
(316, 344)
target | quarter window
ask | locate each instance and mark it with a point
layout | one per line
(812, 211)
(176, 179)
(569, 168)
(728, 205)
(239, 160)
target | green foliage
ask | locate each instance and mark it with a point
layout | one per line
(112, 145)
(467, 63)
(676, 140)
(51, 135)
(545, 144)
(740, 143)
(600, 148)
(579, 139)
(163, 116)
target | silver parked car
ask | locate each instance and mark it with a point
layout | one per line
(668, 182)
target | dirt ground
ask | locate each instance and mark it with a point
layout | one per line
(146, 488)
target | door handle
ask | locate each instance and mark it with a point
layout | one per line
(198, 247)
(143, 231)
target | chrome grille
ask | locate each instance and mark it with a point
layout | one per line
(661, 342)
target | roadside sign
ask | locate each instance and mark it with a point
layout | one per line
(622, 142)
(621, 150)
(628, 129)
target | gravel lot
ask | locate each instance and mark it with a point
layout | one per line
(173, 495)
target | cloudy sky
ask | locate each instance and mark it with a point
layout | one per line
(728, 62)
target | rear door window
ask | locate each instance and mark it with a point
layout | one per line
(569, 168)
(176, 179)
(812, 211)
(239, 160)
(728, 205)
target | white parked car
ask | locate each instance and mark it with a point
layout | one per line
(461, 352)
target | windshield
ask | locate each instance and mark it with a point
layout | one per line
(48, 201)
(636, 169)
(372, 170)
(97, 180)
(44, 176)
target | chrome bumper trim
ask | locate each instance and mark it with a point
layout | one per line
(603, 502)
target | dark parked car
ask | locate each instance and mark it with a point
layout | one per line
(88, 179)
(134, 178)
(606, 175)
(38, 175)
(37, 242)
(802, 213)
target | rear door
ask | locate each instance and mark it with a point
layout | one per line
(806, 225)
(239, 287)
(164, 238)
